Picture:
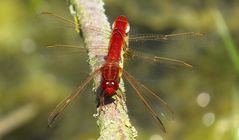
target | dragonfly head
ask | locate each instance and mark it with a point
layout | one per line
(110, 87)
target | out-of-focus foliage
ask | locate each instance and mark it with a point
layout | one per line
(33, 78)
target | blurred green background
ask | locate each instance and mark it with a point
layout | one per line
(33, 78)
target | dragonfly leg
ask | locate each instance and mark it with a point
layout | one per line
(100, 107)
(116, 101)
(119, 98)
(100, 103)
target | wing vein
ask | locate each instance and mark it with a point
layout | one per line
(64, 103)
(153, 113)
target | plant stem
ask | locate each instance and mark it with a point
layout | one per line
(113, 121)
(227, 39)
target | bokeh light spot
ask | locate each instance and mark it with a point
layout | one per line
(208, 119)
(203, 99)
(156, 137)
(28, 46)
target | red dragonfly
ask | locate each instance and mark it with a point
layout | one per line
(112, 71)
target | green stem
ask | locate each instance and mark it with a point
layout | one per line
(227, 39)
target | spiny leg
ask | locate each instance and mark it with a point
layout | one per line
(100, 103)
(119, 98)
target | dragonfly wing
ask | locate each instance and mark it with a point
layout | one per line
(148, 97)
(161, 37)
(64, 103)
(69, 50)
(133, 53)
(75, 24)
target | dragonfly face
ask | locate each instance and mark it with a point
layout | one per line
(110, 87)
(110, 79)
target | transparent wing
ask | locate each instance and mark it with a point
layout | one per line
(161, 37)
(75, 25)
(67, 50)
(65, 20)
(132, 53)
(64, 103)
(149, 98)
(80, 48)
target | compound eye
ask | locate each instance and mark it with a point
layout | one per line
(127, 29)
(113, 25)
(112, 83)
(107, 83)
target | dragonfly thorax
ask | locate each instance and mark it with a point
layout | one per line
(110, 78)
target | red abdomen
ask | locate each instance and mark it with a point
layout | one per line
(117, 39)
(115, 48)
